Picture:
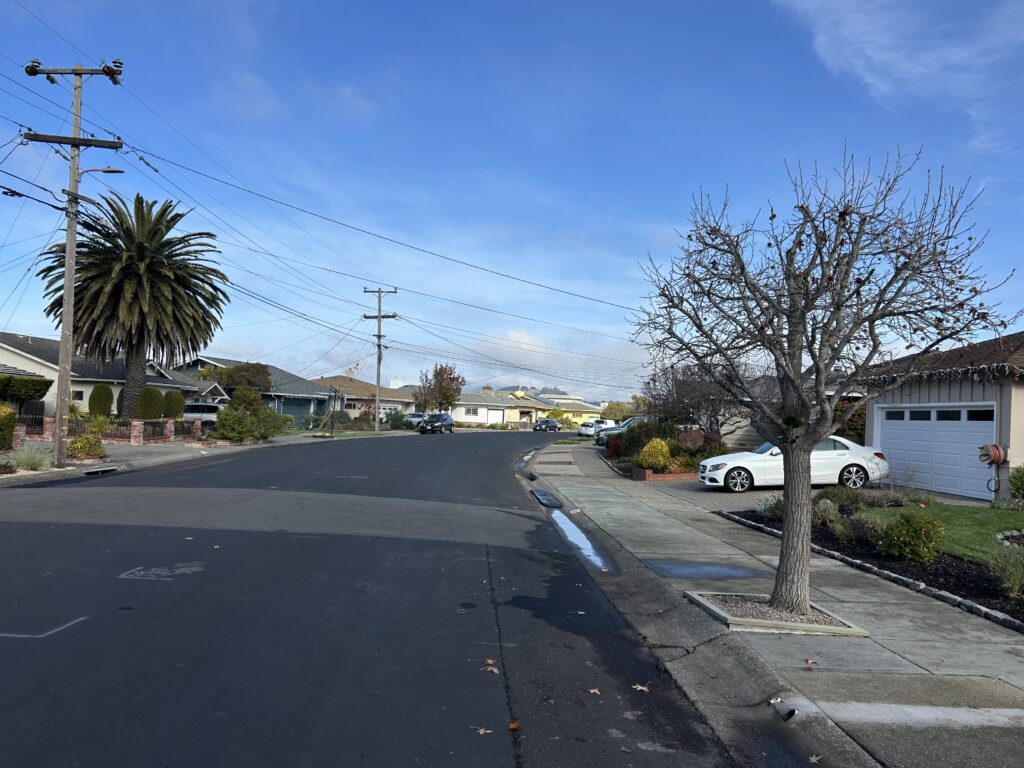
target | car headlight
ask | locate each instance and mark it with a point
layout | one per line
(716, 467)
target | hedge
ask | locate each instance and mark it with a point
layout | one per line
(174, 404)
(101, 400)
(151, 403)
(18, 389)
(7, 420)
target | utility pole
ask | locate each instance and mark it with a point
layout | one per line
(379, 317)
(76, 141)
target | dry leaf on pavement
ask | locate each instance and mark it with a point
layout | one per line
(513, 725)
(482, 731)
(815, 759)
(642, 688)
(594, 690)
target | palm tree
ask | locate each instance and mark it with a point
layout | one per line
(140, 291)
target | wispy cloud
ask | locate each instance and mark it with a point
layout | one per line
(966, 56)
(342, 98)
(248, 96)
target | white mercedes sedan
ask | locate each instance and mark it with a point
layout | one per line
(833, 460)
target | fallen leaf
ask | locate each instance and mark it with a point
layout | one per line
(814, 759)
(513, 725)
(482, 731)
(490, 662)
(627, 750)
(644, 688)
(188, 538)
(581, 613)
(493, 670)
(483, 581)
(594, 690)
(810, 661)
(922, 506)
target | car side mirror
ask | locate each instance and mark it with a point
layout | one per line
(775, 452)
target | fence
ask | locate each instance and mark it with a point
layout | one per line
(33, 423)
(120, 430)
(152, 429)
(182, 428)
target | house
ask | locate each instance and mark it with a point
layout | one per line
(38, 356)
(288, 394)
(931, 426)
(359, 397)
(575, 407)
(490, 407)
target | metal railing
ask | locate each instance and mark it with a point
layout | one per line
(33, 423)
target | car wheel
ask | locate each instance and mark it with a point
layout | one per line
(853, 476)
(738, 480)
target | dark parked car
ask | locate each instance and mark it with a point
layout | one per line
(547, 425)
(437, 422)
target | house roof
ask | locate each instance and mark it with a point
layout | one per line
(47, 351)
(282, 382)
(364, 390)
(1002, 351)
(505, 400)
(10, 370)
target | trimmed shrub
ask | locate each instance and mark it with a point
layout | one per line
(31, 459)
(396, 420)
(615, 446)
(234, 425)
(151, 403)
(913, 536)
(174, 404)
(7, 421)
(1017, 483)
(842, 497)
(100, 400)
(120, 402)
(86, 447)
(882, 497)
(826, 513)
(655, 455)
(1008, 567)
(770, 506)
(637, 436)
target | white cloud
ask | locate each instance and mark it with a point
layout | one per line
(246, 95)
(966, 57)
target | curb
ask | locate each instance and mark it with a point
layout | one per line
(612, 467)
(996, 617)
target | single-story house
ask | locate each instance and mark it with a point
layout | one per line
(39, 356)
(932, 425)
(288, 394)
(575, 407)
(490, 407)
(358, 396)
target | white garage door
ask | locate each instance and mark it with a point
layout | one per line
(495, 416)
(937, 448)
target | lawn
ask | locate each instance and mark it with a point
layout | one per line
(970, 531)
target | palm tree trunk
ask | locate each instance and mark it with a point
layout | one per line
(793, 578)
(134, 378)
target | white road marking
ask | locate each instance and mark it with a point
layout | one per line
(922, 716)
(163, 573)
(45, 634)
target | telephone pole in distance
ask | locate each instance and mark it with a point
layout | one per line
(379, 317)
(113, 73)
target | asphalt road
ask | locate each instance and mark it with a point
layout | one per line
(374, 602)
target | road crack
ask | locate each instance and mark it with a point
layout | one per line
(506, 678)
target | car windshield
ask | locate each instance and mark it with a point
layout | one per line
(764, 448)
(435, 417)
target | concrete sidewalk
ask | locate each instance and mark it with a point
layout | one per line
(931, 686)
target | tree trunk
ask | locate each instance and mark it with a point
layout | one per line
(134, 378)
(793, 578)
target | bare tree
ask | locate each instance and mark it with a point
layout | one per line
(858, 272)
(688, 394)
(423, 395)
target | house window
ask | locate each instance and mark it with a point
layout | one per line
(981, 414)
(920, 415)
(577, 415)
(472, 411)
(78, 395)
(948, 415)
(895, 415)
(351, 406)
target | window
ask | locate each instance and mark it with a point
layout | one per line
(981, 414)
(351, 406)
(947, 415)
(77, 395)
(827, 445)
(895, 415)
(472, 411)
(920, 415)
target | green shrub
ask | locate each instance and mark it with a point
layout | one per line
(100, 400)
(1008, 567)
(97, 425)
(396, 420)
(882, 497)
(7, 421)
(655, 455)
(31, 459)
(174, 404)
(151, 403)
(826, 513)
(6, 468)
(75, 411)
(86, 447)
(235, 425)
(843, 498)
(120, 402)
(913, 536)
(615, 446)
(637, 436)
(771, 506)
(1017, 482)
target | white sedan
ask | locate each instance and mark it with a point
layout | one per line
(586, 429)
(833, 460)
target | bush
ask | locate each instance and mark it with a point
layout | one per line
(771, 507)
(655, 455)
(690, 440)
(913, 536)
(826, 513)
(639, 435)
(235, 425)
(882, 497)
(97, 425)
(1008, 567)
(843, 498)
(100, 400)
(396, 420)
(1017, 483)
(6, 468)
(174, 404)
(120, 402)
(31, 459)
(7, 421)
(86, 447)
(151, 403)
(615, 446)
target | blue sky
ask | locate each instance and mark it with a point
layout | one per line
(557, 142)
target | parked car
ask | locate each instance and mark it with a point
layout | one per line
(414, 418)
(600, 424)
(547, 425)
(602, 435)
(205, 413)
(437, 422)
(586, 429)
(833, 460)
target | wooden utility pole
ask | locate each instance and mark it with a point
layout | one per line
(76, 142)
(379, 317)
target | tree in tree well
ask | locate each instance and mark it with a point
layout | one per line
(856, 272)
(140, 289)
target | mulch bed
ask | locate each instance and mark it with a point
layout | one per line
(964, 578)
